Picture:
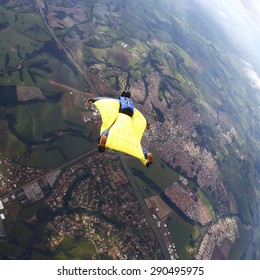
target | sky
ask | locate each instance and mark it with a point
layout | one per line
(240, 20)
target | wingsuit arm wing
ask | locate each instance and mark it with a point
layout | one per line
(108, 109)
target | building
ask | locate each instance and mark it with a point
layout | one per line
(1, 205)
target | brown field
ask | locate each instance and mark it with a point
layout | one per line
(29, 93)
(157, 202)
(68, 21)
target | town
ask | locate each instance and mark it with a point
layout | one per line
(216, 237)
(101, 207)
(13, 175)
(188, 203)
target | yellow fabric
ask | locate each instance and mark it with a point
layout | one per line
(139, 124)
(122, 137)
(125, 132)
(108, 109)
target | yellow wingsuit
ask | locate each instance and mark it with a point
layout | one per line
(125, 132)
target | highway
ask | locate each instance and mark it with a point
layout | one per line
(145, 209)
(129, 174)
(67, 52)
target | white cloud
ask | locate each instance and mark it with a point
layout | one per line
(252, 75)
(222, 14)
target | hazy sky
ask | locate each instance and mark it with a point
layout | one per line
(237, 17)
(240, 19)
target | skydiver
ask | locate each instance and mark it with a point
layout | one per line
(127, 108)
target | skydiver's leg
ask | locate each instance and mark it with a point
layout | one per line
(148, 156)
(145, 151)
(102, 141)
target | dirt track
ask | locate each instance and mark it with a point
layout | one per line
(87, 94)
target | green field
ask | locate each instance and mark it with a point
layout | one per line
(71, 249)
(17, 228)
(159, 174)
(183, 234)
(17, 35)
(34, 121)
(207, 204)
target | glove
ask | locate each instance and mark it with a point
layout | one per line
(90, 101)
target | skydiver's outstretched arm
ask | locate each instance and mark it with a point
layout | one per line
(90, 100)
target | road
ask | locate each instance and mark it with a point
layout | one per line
(67, 52)
(145, 209)
(93, 90)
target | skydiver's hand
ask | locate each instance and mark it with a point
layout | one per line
(90, 101)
